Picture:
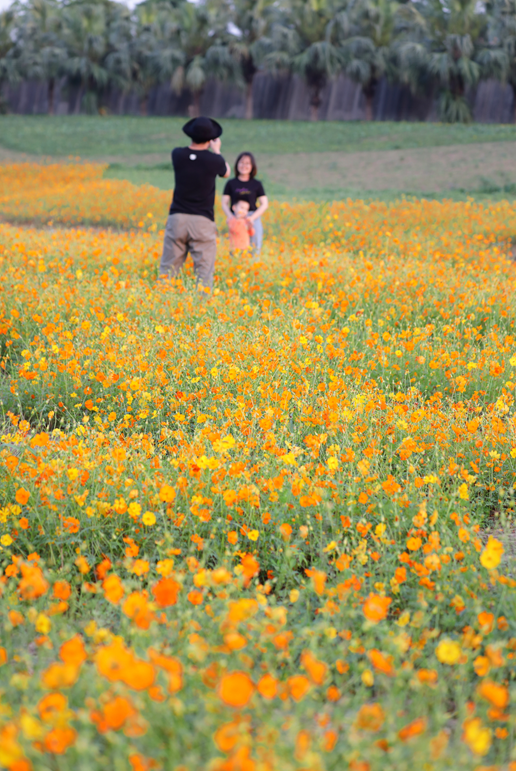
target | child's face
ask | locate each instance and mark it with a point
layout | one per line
(241, 209)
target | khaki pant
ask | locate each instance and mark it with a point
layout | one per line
(189, 233)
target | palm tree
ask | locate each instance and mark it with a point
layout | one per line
(9, 71)
(182, 58)
(85, 33)
(40, 41)
(367, 53)
(444, 40)
(306, 42)
(499, 60)
(241, 51)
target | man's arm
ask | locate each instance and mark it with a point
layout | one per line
(215, 146)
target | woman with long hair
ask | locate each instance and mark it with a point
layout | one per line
(245, 187)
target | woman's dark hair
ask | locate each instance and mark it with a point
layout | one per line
(253, 163)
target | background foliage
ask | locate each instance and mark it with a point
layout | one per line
(445, 46)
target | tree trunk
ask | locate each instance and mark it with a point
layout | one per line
(144, 104)
(249, 101)
(50, 95)
(514, 101)
(369, 91)
(368, 107)
(194, 110)
(315, 101)
(78, 101)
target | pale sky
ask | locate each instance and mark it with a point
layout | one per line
(6, 3)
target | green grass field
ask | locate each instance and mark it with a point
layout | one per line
(301, 160)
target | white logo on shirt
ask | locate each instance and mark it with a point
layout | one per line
(193, 156)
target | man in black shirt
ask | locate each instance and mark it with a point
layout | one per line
(191, 221)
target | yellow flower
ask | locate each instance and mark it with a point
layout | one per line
(6, 540)
(43, 624)
(448, 652)
(289, 458)
(333, 463)
(253, 535)
(149, 518)
(492, 554)
(463, 492)
(477, 736)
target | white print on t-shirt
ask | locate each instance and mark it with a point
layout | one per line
(192, 156)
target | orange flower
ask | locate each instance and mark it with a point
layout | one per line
(370, 717)
(62, 590)
(236, 689)
(316, 669)
(113, 660)
(381, 662)
(286, 531)
(195, 597)
(52, 705)
(267, 686)
(139, 676)
(73, 652)
(15, 617)
(298, 686)
(58, 740)
(250, 567)
(318, 580)
(3, 656)
(22, 496)
(486, 622)
(59, 675)
(23, 523)
(376, 607)
(117, 712)
(416, 727)
(165, 592)
(71, 524)
(497, 695)
(113, 589)
(171, 665)
(137, 608)
(226, 737)
(33, 583)
(167, 494)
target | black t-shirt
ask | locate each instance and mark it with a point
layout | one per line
(244, 191)
(195, 172)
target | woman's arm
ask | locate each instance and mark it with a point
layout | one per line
(263, 205)
(226, 206)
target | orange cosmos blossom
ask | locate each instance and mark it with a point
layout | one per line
(58, 740)
(166, 591)
(496, 694)
(416, 727)
(376, 607)
(113, 589)
(381, 662)
(316, 669)
(236, 689)
(33, 584)
(370, 717)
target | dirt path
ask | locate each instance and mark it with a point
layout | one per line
(433, 169)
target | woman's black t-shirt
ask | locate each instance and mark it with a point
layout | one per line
(244, 191)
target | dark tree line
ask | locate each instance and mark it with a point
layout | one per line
(444, 46)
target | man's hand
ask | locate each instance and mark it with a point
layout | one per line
(215, 145)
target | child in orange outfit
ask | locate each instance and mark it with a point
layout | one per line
(240, 229)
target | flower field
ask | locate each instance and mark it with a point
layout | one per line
(271, 529)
